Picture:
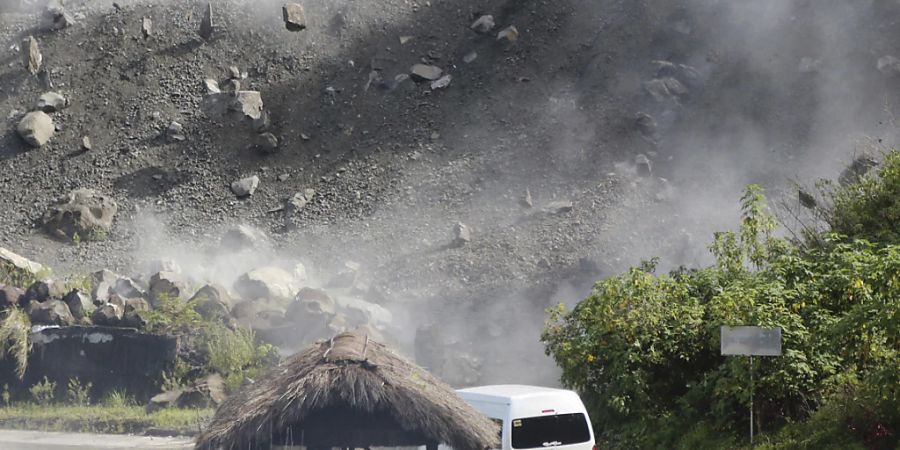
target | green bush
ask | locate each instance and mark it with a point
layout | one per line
(14, 330)
(643, 349)
(78, 394)
(235, 354)
(43, 392)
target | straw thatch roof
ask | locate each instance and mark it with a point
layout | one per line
(348, 392)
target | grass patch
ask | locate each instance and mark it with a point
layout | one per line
(103, 419)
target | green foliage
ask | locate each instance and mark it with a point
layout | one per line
(14, 330)
(43, 392)
(78, 394)
(870, 208)
(102, 418)
(171, 315)
(643, 349)
(13, 276)
(117, 399)
(235, 354)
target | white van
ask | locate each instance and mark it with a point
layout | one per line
(534, 417)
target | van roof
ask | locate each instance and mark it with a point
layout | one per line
(508, 392)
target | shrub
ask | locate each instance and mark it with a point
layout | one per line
(14, 330)
(235, 354)
(43, 392)
(78, 394)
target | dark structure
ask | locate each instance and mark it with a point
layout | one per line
(348, 392)
(109, 358)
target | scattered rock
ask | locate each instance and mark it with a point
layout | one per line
(483, 24)
(16, 268)
(53, 312)
(267, 283)
(294, 17)
(207, 392)
(83, 212)
(644, 167)
(860, 166)
(243, 237)
(52, 102)
(212, 86)
(682, 72)
(36, 128)
(510, 34)
(245, 187)
(234, 73)
(469, 57)
(167, 284)
(56, 18)
(86, 144)
(441, 82)
(527, 201)
(146, 27)
(888, 65)
(206, 23)
(647, 126)
(462, 234)
(665, 89)
(806, 199)
(162, 265)
(233, 106)
(558, 207)
(424, 72)
(267, 143)
(79, 304)
(108, 315)
(175, 132)
(31, 55)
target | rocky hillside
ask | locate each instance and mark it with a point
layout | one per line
(469, 162)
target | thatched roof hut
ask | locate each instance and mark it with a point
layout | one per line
(348, 392)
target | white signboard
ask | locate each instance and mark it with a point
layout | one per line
(751, 341)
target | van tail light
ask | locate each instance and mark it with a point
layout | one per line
(595, 447)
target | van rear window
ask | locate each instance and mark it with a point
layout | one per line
(550, 431)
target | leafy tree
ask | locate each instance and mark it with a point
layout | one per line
(643, 349)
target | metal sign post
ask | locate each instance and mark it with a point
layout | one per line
(751, 341)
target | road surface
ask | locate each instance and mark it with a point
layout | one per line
(42, 440)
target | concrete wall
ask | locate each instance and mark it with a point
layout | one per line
(108, 358)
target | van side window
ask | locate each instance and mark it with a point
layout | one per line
(550, 431)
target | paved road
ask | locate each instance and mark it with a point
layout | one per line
(41, 440)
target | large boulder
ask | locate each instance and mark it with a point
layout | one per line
(207, 392)
(258, 314)
(85, 213)
(267, 282)
(36, 128)
(17, 270)
(51, 312)
(9, 297)
(80, 304)
(213, 303)
(311, 308)
(127, 288)
(108, 315)
(39, 291)
(360, 312)
(169, 284)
